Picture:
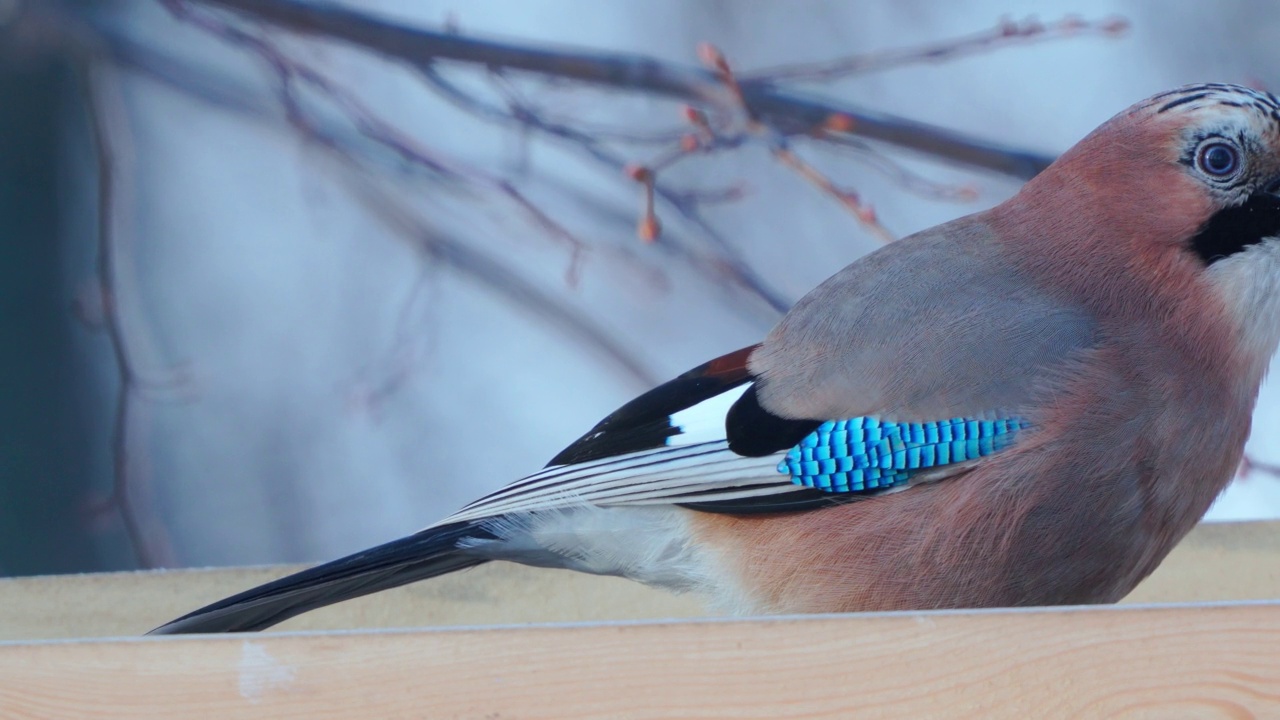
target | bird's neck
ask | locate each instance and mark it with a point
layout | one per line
(1086, 239)
(1193, 338)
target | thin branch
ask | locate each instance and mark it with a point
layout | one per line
(849, 199)
(422, 48)
(471, 263)
(1249, 466)
(409, 347)
(728, 262)
(786, 112)
(490, 274)
(628, 72)
(649, 228)
(900, 176)
(1006, 33)
(374, 128)
(130, 383)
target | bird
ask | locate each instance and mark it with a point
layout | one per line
(1029, 405)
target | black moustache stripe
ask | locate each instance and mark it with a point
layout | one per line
(1234, 229)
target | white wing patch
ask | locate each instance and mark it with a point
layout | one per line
(705, 421)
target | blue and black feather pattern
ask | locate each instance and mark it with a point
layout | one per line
(826, 462)
(864, 454)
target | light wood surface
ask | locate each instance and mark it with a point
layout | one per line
(1227, 561)
(1136, 662)
(1165, 661)
(121, 604)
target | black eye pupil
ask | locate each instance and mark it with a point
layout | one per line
(1218, 159)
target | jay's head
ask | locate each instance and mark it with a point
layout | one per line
(1197, 167)
(1178, 196)
(1223, 142)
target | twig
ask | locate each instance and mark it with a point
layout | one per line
(375, 128)
(649, 228)
(493, 276)
(785, 112)
(781, 150)
(715, 61)
(729, 262)
(897, 173)
(459, 257)
(1249, 466)
(130, 383)
(1006, 33)
(847, 198)
(762, 103)
(409, 346)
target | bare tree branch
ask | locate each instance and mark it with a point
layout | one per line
(422, 48)
(901, 176)
(148, 542)
(1006, 33)
(728, 263)
(471, 263)
(849, 199)
(1250, 466)
(499, 279)
(787, 112)
(290, 72)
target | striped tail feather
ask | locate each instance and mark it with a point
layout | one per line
(427, 554)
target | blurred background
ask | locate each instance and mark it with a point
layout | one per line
(273, 297)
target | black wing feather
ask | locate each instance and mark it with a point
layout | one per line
(752, 431)
(645, 422)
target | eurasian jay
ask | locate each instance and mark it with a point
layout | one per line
(1030, 405)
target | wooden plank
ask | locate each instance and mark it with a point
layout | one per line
(116, 604)
(1218, 561)
(1221, 561)
(1137, 661)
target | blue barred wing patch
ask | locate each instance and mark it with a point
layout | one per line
(865, 454)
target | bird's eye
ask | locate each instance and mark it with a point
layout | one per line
(1218, 159)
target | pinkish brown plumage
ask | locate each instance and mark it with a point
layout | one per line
(1026, 406)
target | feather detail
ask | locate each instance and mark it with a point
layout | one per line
(660, 476)
(854, 458)
(865, 454)
(646, 422)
